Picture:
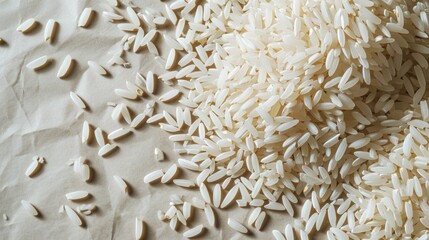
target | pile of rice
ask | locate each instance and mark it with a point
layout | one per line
(324, 100)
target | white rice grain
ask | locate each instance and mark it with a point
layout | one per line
(133, 16)
(73, 216)
(153, 176)
(205, 193)
(150, 82)
(118, 133)
(170, 95)
(50, 30)
(278, 235)
(237, 226)
(209, 215)
(169, 174)
(39, 63)
(125, 93)
(27, 26)
(106, 149)
(121, 183)
(33, 168)
(253, 216)
(77, 100)
(139, 229)
(85, 18)
(97, 68)
(99, 137)
(66, 67)
(260, 221)
(77, 195)
(193, 232)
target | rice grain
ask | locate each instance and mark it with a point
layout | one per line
(50, 30)
(77, 100)
(73, 216)
(237, 226)
(153, 176)
(66, 67)
(39, 63)
(85, 18)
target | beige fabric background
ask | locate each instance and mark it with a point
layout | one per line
(38, 118)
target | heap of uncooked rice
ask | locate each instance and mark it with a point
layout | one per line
(318, 99)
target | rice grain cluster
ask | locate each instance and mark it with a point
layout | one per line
(324, 100)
